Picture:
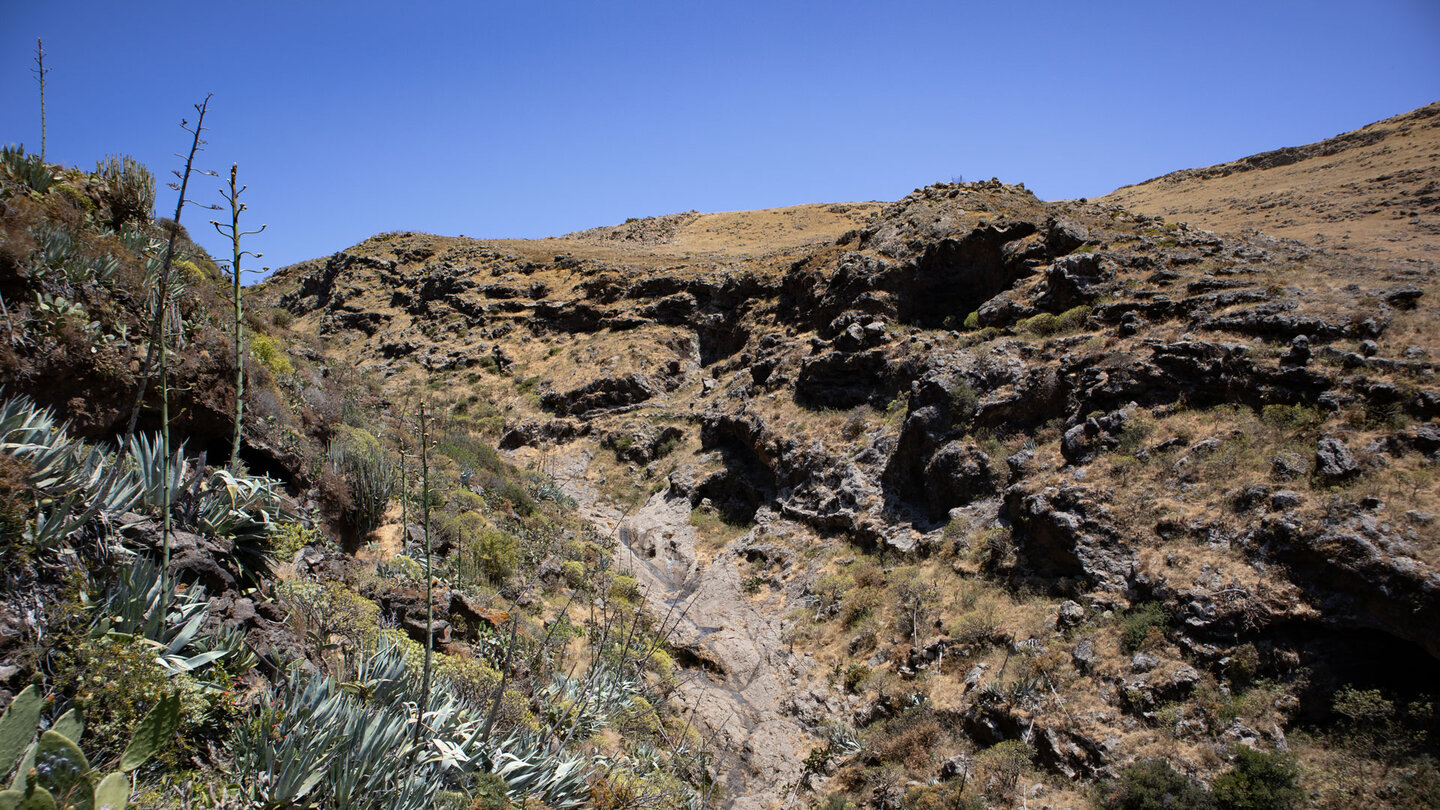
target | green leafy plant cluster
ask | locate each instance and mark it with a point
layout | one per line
(29, 171)
(1047, 324)
(127, 190)
(267, 351)
(336, 743)
(1141, 625)
(372, 475)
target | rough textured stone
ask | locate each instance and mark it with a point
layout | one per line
(1333, 461)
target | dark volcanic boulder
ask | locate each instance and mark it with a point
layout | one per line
(1333, 461)
(605, 394)
(957, 474)
(1064, 532)
(844, 380)
(532, 434)
(1075, 280)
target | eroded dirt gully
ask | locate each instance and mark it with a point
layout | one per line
(741, 679)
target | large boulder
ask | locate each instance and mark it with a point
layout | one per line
(957, 474)
(1333, 461)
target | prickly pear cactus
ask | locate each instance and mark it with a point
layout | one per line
(156, 729)
(62, 769)
(54, 773)
(113, 792)
(17, 727)
(32, 798)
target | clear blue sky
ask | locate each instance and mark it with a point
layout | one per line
(531, 118)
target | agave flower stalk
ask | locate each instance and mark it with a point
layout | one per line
(429, 599)
(40, 70)
(158, 322)
(167, 517)
(233, 231)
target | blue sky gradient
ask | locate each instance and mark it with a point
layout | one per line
(527, 119)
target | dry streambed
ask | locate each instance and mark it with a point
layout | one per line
(737, 672)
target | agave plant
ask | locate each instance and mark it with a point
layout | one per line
(139, 604)
(246, 509)
(578, 707)
(341, 743)
(243, 508)
(29, 170)
(75, 483)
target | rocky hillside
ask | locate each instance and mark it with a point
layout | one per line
(1369, 194)
(964, 500)
(967, 497)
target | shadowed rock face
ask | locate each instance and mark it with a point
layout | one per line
(968, 356)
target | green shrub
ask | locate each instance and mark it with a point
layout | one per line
(1004, 763)
(859, 605)
(1141, 625)
(1134, 434)
(332, 609)
(77, 198)
(1042, 324)
(114, 680)
(1046, 324)
(267, 351)
(625, 588)
(470, 452)
(574, 573)
(490, 793)
(638, 719)
(667, 447)
(972, 321)
(128, 190)
(964, 400)
(1259, 781)
(1291, 417)
(289, 538)
(469, 678)
(520, 499)
(945, 796)
(488, 555)
(855, 677)
(1154, 785)
(1244, 663)
(662, 663)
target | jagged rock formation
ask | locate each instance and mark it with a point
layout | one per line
(1067, 399)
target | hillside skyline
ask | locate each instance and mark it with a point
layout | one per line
(536, 122)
